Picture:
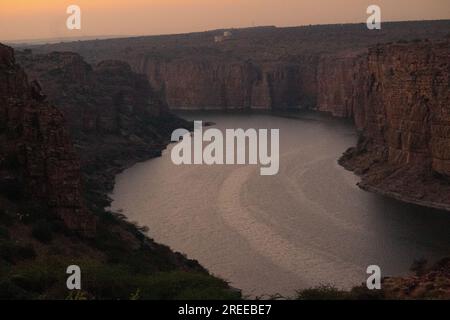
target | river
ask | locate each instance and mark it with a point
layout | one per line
(308, 225)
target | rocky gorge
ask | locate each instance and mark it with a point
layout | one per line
(393, 83)
(113, 99)
(53, 192)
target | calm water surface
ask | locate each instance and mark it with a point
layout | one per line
(306, 226)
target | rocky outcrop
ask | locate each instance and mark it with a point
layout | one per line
(402, 107)
(336, 84)
(113, 114)
(429, 283)
(215, 83)
(104, 99)
(37, 159)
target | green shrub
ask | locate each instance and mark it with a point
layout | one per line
(38, 280)
(118, 282)
(328, 292)
(35, 279)
(9, 291)
(322, 292)
(363, 293)
(46, 280)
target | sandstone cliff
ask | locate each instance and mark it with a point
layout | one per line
(113, 114)
(37, 159)
(397, 93)
(215, 83)
(255, 68)
(402, 107)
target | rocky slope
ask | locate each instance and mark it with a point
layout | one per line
(427, 283)
(37, 158)
(113, 113)
(423, 283)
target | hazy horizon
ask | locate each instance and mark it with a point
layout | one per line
(45, 19)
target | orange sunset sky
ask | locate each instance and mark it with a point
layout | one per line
(38, 19)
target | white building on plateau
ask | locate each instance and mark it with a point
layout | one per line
(226, 35)
(218, 38)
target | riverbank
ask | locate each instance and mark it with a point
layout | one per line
(307, 225)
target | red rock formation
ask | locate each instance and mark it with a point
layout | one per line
(402, 106)
(336, 84)
(397, 94)
(230, 84)
(266, 67)
(112, 112)
(36, 153)
(102, 100)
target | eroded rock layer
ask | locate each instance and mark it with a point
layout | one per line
(402, 108)
(113, 114)
(37, 159)
(396, 92)
(254, 68)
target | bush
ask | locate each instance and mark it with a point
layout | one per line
(9, 291)
(44, 279)
(117, 282)
(42, 231)
(322, 292)
(363, 293)
(35, 279)
(328, 292)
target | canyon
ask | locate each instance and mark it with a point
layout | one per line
(56, 164)
(393, 83)
(93, 108)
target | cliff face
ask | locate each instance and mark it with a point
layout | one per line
(214, 83)
(402, 107)
(37, 159)
(336, 82)
(102, 99)
(259, 68)
(113, 114)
